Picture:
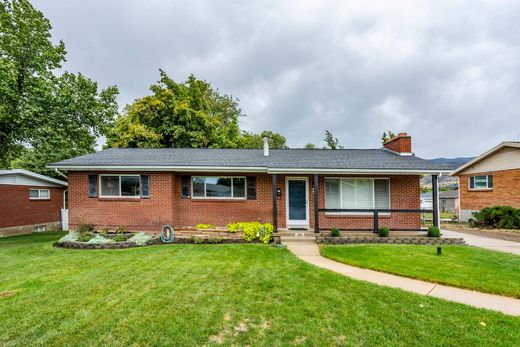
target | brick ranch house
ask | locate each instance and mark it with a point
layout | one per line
(144, 189)
(29, 202)
(490, 179)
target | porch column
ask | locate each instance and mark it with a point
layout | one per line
(275, 201)
(435, 200)
(316, 198)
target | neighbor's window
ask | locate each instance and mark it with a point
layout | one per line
(357, 193)
(481, 182)
(219, 187)
(36, 194)
(120, 185)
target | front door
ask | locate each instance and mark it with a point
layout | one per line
(297, 206)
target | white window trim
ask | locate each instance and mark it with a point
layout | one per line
(119, 196)
(48, 197)
(193, 197)
(373, 196)
(479, 189)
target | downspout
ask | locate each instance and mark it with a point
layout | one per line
(65, 191)
(60, 173)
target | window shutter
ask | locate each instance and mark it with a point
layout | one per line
(251, 188)
(92, 186)
(145, 186)
(471, 182)
(185, 186)
(490, 181)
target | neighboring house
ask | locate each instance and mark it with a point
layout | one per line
(144, 189)
(29, 202)
(490, 179)
(448, 200)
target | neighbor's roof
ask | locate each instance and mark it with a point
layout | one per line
(485, 155)
(33, 175)
(251, 160)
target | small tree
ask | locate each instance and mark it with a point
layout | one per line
(331, 141)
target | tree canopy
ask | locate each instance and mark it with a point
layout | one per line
(185, 114)
(44, 117)
(331, 141)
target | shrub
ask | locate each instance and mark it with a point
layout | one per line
(196, 240)
(140, 239)
(84, 237)
(215, 240)
(505, 217)
(84, 228)
(205, 226)
(119, 238)
(384, 231)
(98, 239)
(434, 232)
(72, 236)
(103, 231)
(233, 227)
(120, 229)
(334, 232)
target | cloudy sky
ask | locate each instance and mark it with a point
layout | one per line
(447, 72)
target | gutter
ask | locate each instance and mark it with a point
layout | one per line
(60, 173)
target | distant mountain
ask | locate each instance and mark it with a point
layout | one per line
(453, 162)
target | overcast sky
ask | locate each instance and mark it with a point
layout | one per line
(447, 72)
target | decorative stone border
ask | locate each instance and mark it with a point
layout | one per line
(156, 241)
(390, 240)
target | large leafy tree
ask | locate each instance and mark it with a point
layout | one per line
(186, 114)
(43, 116)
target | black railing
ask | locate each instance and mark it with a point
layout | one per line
(375, 213)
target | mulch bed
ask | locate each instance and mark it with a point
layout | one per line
(502, 234)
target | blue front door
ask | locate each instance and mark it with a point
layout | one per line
(297, 202)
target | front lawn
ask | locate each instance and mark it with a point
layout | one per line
(187, 295)
(460, 266)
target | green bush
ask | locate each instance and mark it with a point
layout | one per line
(84, 228)
(196, 240)
(119, 238)
(434, 232)
(505, 217)
(215, 240)
(205, 226)
(120, 229)
(253, 230)
(334, 232)
(103, 231)
(384, 231)
(85, 237)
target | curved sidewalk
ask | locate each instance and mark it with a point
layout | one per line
(310, 253)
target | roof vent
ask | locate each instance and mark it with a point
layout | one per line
(266, 147)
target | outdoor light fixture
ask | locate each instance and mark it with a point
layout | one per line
(278, 192)
(439, 250)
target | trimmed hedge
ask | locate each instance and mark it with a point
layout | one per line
(504, 217)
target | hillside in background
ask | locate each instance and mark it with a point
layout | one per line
(445, 181)
(454, 162)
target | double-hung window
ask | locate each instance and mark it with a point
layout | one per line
(120, 186)
(481, 182)
(219, 187)
(39, 194)
(357, 193)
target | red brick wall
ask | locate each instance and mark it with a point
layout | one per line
(16, 209)
(506, 191)
(166, 205)
(133, 213)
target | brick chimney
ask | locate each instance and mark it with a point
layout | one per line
(401, 144)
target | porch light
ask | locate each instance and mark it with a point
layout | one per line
(278, 192)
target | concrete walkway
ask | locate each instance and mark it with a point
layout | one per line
(309, 252)
(486, 242)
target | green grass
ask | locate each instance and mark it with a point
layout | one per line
(460, 266)
(188, 295)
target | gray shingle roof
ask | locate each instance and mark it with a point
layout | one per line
(254, 158)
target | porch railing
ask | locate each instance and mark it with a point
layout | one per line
(375, 214)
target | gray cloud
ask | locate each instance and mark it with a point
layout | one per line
(447, 72)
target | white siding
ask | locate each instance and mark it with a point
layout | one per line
(507, 158)
(22, 180)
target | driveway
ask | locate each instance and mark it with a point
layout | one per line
(486, 242)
